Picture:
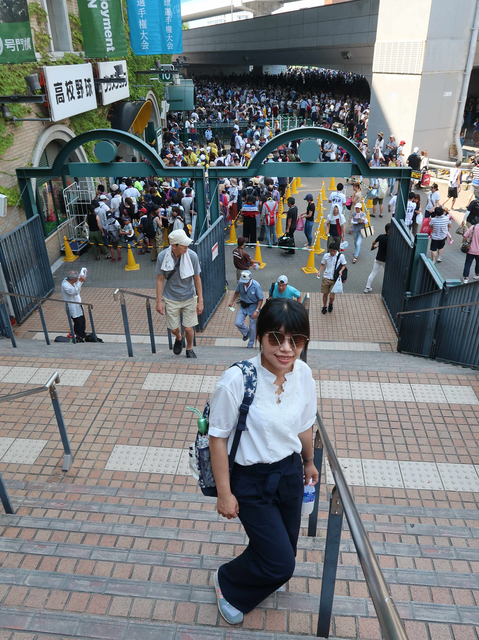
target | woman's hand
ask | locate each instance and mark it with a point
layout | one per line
(228, 507)
(310, 473)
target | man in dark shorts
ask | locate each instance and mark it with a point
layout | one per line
(291, 220)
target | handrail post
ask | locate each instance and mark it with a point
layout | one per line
(318, 463)
(330, 565)
(7, 505)
(68, 457)
(93, 332)
(44, 324)
(150, 326)
(72, 330)
(124, 313)
(7, 322)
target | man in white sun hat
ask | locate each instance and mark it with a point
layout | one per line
(179, 289)
(251, 301)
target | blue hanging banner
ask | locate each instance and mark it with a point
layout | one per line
(155, 26)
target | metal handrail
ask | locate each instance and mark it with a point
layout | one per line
(449, 306)
(68, 455)
(118, 292)
(39, 300)
(391, 624)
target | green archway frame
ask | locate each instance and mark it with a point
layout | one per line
(155, 166)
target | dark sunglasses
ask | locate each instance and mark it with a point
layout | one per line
(297, 341)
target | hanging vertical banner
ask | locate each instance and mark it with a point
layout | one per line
(16, 44)
(155, 26)
(102, 28)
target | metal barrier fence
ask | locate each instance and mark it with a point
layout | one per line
(443, 324)
(25, 264)
(68, 458)
(210, 248)
(397, 269)
(428, 277)
(38, 305)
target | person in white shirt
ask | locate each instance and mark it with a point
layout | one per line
(392, 206)
(333, 264)
(432, 200)
(337, 198)
(410, 209)
(71, 288)
(131, 192)
(273, 461)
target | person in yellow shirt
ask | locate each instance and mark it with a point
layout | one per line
(190, 157)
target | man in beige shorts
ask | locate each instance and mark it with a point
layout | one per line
(179, 290)
(332, 262)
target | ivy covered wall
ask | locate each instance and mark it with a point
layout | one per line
(17, 140)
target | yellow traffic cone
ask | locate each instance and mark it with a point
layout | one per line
(332, 185)
(323, 192)
(165, 240)
(317, 244)
(137, 233)
(294, 189)
(258, 258)
(233, 239)
(322, 229)
(310, 268)
(320, 211)
(369, 204)
(279, 228)
(288, 192)
(131, 265)
(281, 213)
(69, 257)
(299, 184)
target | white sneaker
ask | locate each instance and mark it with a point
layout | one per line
(475, 277)
(439, 260)
(465, 280)
(227, 611)
(368, 289)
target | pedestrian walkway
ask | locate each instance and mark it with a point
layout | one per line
(123, 545)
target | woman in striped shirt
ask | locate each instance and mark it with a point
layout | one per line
(440, 224)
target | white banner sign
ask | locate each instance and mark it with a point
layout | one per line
(113, 91)
(71, 90)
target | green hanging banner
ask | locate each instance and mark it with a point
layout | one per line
(16, 43)
(102, 28)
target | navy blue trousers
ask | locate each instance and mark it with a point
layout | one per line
(270, 497)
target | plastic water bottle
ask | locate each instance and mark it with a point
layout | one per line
(308, 499)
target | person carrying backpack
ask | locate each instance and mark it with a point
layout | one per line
(269, 217)
(113, 234)
(263, 484)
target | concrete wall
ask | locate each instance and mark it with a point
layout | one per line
(415, 91)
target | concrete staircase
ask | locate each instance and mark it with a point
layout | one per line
(82, 561)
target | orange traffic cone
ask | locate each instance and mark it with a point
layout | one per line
(258, 258)
(69, 257)
(233, 239)
(131, 265)
(310, 268)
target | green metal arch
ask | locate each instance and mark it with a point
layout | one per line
(307, 132)
(108, 134)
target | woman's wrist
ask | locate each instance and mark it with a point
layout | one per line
(307, 460)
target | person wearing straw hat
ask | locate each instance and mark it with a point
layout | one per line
(179, 289)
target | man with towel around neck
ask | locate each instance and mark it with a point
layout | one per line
(179, 290)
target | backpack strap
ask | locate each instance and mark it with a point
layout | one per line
(250, 378)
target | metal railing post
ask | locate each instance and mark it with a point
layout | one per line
(150, 326)
(72, 331)
(7, 505)
(124, 313)
(318, 463)
(93, 332)
(68, 457)
(330, 565)
(8, 324)
(44, 324)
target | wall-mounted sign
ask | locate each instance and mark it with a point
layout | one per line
(16, 44)
(102, 28)
(113, 91)
(155, 26)
(71, 90)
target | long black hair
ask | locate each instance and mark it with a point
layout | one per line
(281, 313)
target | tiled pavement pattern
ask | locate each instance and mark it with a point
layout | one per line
(357, 318)
(99, 553)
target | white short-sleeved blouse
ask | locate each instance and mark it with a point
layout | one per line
(272, 427)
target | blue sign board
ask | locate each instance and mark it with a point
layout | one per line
(155, 26)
